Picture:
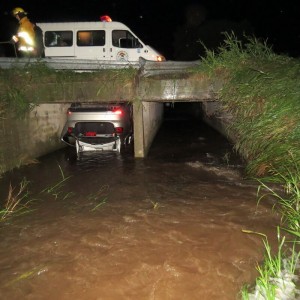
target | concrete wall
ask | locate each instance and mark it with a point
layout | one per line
(32, 136)
(38, 133)
(214, 115)
(147, 118)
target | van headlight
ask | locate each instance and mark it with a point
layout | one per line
(160, 58)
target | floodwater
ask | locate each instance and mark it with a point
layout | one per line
(110, 226)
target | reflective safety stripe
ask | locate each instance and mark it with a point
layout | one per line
(26, 49)
(24, 35)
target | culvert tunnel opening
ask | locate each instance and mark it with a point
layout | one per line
(188, 135)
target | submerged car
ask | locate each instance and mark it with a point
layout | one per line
(98, 127)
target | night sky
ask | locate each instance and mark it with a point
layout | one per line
(176, 29)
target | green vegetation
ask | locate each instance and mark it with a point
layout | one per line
(276, 279)
(99, 198)
(56, 190)
(17, 202)
(27, 275)
(22, 88)
(288, 197)
(261, 90)
(155, 205)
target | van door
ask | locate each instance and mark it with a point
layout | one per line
(59, 43)
(90, 44)
(126, 47)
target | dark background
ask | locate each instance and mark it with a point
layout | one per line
(176, 29)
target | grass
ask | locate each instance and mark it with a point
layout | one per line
(276, 279)
(287, 195)
(28, 274)
(100, 197)
(17, 202)
(261, 91)
(56, 189)
(155, 205)
(22, 88)
(100, 203)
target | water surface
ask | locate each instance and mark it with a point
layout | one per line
(165, 227)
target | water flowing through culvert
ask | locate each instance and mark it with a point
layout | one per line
(165, 227)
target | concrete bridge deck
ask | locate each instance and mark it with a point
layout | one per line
(168, 81)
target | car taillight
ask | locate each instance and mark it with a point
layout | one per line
(69, 112)
(119, 129)
(70, 130)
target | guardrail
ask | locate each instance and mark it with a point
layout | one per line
(147, 68)
(65, 63)
(152, 68)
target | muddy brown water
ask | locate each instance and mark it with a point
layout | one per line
(165, 227)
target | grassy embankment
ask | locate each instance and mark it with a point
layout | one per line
(22, 88)
(262, 92)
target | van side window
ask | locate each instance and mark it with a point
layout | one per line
(125, 39)
(58, 38)
(91, 38)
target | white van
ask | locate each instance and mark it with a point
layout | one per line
(106, 41)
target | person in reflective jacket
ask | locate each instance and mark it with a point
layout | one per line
(25, 37)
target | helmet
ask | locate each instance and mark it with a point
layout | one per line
(18, 10)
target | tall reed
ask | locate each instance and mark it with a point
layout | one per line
(261, 91)
(17, 201)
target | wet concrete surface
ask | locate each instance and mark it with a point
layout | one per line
(165, 227)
